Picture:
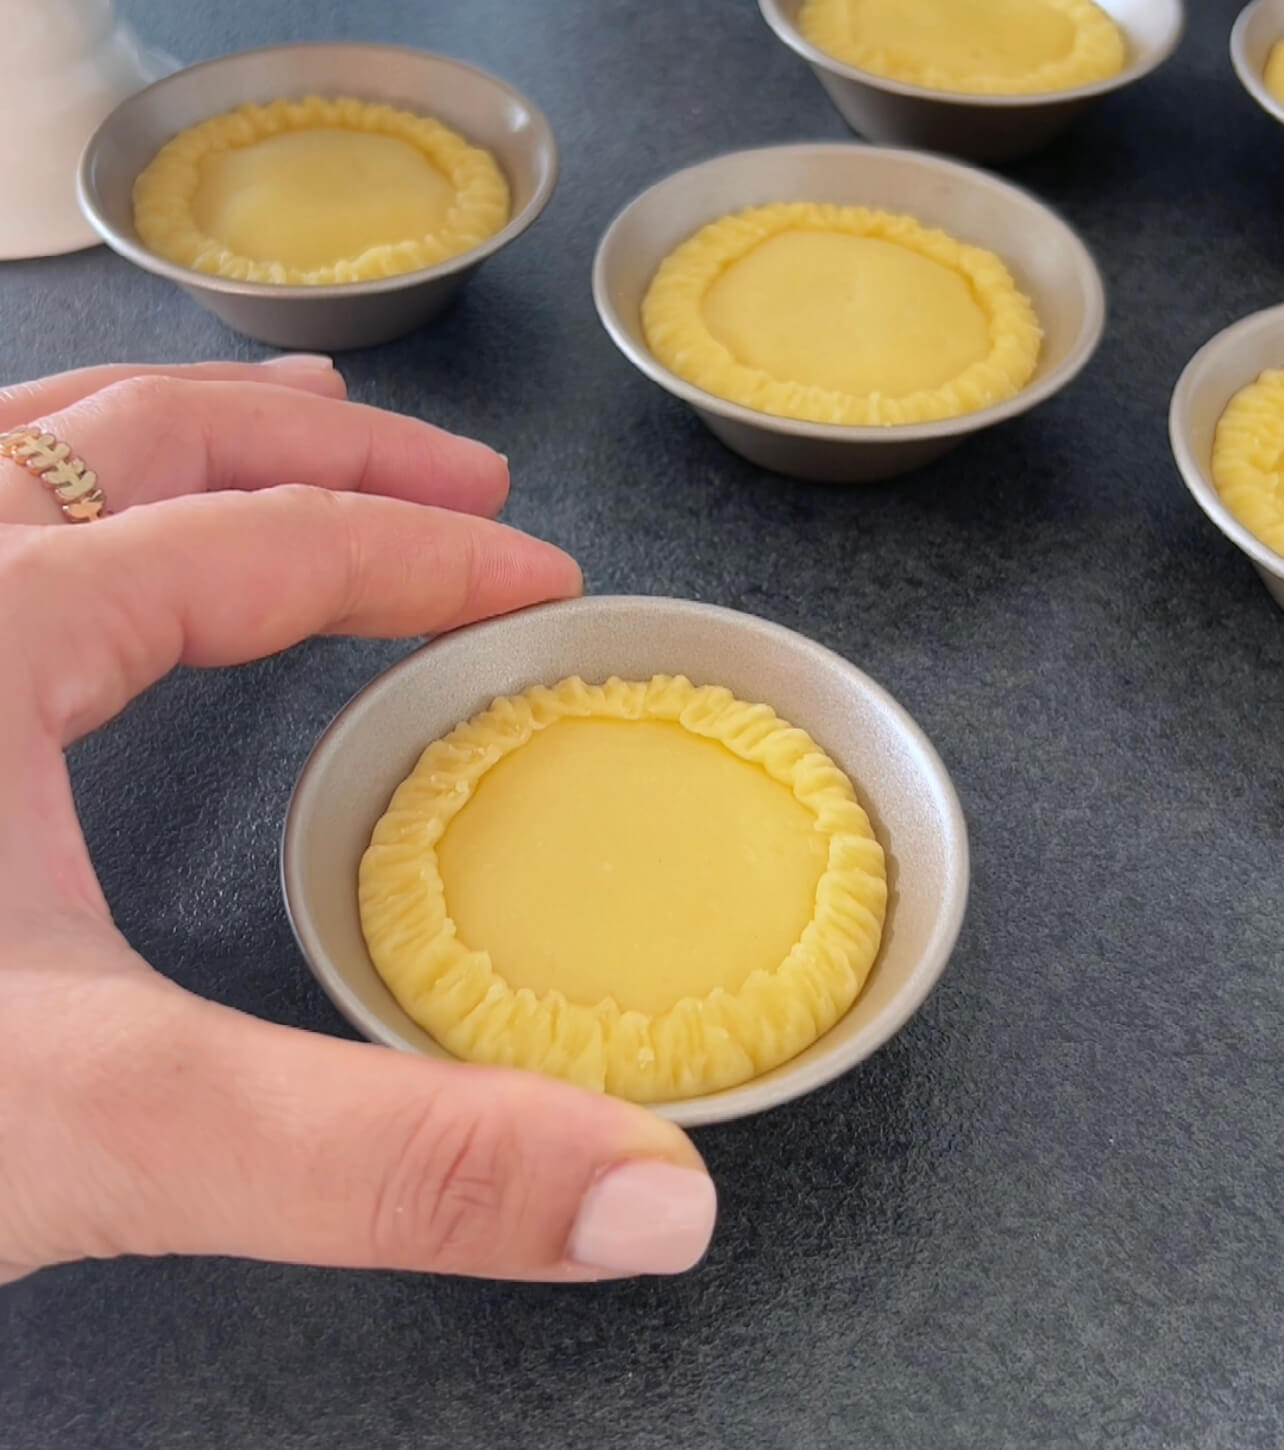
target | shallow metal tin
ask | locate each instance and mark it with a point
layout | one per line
(1224, 365)
(1047, 259)
(982, 128)
(481, 107)
(374, 742)
(1256, 31)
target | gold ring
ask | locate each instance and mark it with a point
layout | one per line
(74, 486)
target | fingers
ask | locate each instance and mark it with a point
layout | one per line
(156, 437)
(46, 863)
(100, 613)
(208, 1132)
(21, 404)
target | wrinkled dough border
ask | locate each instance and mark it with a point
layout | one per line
(1248, 451)
(1099, 51)
(676, 332)
(165, 190)
(699, 1045)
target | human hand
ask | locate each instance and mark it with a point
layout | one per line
(253, 507)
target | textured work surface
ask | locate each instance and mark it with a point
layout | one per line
(1049, 1213)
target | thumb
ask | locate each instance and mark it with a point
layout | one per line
(233, 1136)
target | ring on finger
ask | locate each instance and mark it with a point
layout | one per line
(73, 485)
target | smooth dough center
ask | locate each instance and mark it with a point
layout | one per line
(1005, 38)
(852, 314)
(633, 860)
(314, 198)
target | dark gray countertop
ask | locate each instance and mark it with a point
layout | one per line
(1049, 1213)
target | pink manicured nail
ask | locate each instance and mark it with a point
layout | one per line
(302, 362)
(645, 1218)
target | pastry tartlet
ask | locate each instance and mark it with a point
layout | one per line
(1248, 458)
(978, 47)
(840, 314)
(313, 192)
(648, 888)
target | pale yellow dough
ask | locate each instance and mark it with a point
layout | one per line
(1273, 75)
(1248, 458)
(979, 47)
(648, 888)
(840, 314)
(315, 191)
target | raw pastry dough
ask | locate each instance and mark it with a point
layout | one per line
(981, 47)
(1248, 458)
(839, 314)
(315, 191)
(649, 888)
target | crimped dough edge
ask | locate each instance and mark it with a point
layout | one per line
(164, 190)
(1247, 448)
(699, 1045)
(679, 338)
(1099, 52)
